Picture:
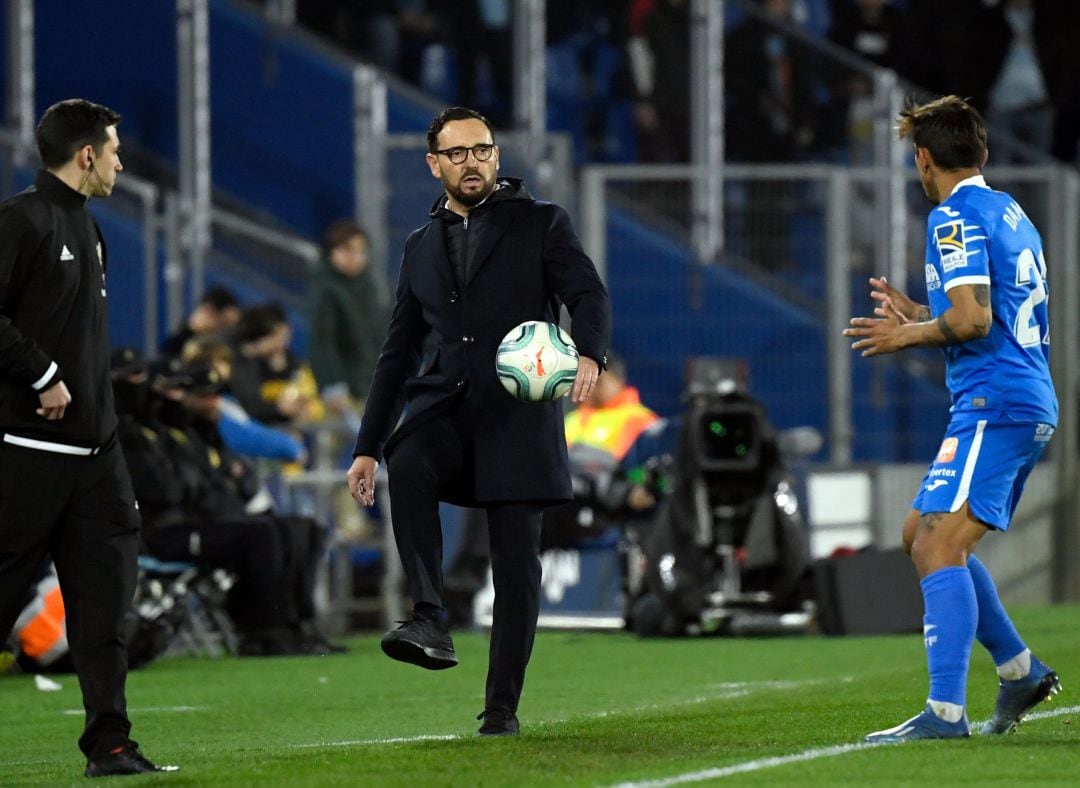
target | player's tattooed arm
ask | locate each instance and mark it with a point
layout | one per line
(948, 336)
(969, 317)
(923, 315)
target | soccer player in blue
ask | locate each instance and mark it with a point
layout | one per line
(986, 283)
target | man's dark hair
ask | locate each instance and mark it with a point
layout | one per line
(950, 128)
(219, 298)
(449, 114)
(259, 321)
(69, 125)
(340, 233)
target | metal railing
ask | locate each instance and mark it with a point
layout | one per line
(843, 242)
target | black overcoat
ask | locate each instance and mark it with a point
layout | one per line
(526, 260)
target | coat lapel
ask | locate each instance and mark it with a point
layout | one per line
(489, 230)
(433, 247)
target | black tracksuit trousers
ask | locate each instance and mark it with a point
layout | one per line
(81, 512)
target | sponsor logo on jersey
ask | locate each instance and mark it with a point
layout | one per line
(1043, 432)
(933, 281)
(935, 484)
(947, 452)
(950, 472)
(951, 246)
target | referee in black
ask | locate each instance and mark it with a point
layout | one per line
(64, 489)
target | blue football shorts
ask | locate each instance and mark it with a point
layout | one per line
(985, 461)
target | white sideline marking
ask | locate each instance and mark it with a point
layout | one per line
(717, 773)
(394, 740)
(748, 766)
(146, 710)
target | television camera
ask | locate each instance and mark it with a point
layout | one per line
(728, 554)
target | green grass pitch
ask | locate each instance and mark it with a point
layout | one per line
(598, 709)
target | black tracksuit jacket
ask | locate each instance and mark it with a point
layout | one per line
(53, 312)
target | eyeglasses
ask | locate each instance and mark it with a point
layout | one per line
(481, 152)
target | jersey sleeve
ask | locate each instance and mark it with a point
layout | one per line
(959, 247)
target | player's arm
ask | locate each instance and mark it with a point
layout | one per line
(969, 317)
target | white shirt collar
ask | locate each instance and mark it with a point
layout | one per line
(974, 180)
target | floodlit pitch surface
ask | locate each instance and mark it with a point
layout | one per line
(599, 709)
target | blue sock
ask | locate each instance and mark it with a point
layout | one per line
(996, 631)
(951, 613)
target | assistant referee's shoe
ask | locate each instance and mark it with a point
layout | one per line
(423, 641)
(922, 726)
(1018, 697)
(125, 759)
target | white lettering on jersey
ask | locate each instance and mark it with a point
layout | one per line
(1012, 216)
(933, 281)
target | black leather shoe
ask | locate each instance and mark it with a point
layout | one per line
(421, 641)
(125, 759)
(498, 722)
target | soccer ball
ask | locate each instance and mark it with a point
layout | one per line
(537, 362)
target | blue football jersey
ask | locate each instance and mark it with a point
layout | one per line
(980, 236)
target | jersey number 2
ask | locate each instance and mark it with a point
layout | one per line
(1030, 272)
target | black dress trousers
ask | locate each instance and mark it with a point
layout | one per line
(434, 461)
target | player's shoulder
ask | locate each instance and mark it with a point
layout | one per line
(977, 204)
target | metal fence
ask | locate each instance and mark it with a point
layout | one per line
(801, 241)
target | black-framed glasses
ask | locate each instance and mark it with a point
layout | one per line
(481, 152)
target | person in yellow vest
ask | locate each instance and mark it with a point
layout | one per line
(611, 420)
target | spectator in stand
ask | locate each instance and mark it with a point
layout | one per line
(482, 30)
(770, 114)
(347, 320)
(241, 433)
(931, 52)
(1007, 74)
(217, 312)
(770, 118)
(658, 50)
(871, 30)
(200, 504)
(272, 385)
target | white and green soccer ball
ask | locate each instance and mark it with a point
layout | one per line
(537, 362)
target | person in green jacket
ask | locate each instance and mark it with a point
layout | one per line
(348, 320)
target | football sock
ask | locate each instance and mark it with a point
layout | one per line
(1017, 667)
(950, 712)
(996, 631)
(951, 613)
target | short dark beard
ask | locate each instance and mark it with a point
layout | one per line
(470, 200)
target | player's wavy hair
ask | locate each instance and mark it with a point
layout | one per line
(950, 128)
(69, 125)
(449, 114)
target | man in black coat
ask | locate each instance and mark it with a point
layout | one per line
(490, 258)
